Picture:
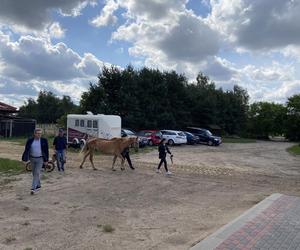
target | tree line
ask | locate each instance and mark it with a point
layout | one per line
(153, 99)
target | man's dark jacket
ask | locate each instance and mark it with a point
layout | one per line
(44, 148)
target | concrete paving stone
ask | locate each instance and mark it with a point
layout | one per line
(274, 223)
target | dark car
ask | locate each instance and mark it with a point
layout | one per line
(143, 141)
(205, 136)
(191, 138)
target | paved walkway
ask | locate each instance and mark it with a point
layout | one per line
(274, 223)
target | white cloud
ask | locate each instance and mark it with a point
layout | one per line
(37, 58)
(167, 36)
(56, 31)
(154, 11)
(286, 90)
(274, 73)
(264, 83)
(257, 24)
(31, 64)
(107, 16)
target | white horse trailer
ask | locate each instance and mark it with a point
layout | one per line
(82, 127)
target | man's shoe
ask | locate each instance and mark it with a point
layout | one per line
(32, 192)
(168, 173)
(158, 171)
(38, 188)
(132, 168)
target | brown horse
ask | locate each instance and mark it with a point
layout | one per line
(115, 147)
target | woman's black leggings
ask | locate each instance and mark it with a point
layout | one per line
(127, 157)
(163, 160)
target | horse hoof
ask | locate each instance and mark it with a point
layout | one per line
(95, 168)
(113, 169)
(122, 169)
(80, 167)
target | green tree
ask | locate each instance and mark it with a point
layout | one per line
(266, 119)
(149, 98)
(293, 118)
(47, 108)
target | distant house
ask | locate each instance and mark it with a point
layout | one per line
(12, 125)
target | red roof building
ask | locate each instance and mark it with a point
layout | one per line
(5, 108)
(13, 125)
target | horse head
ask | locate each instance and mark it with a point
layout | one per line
(134, 141)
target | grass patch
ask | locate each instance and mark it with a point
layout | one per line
(295, 150)
(237, 140)
(11, 167)
(107, 228)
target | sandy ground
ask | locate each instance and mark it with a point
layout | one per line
(210, 187)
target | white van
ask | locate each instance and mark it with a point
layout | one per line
(82, 127)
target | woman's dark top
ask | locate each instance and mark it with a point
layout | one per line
(163, 150)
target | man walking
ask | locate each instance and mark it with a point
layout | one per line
(60, 146)
(37, 151)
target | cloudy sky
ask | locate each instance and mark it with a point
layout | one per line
(61, 45)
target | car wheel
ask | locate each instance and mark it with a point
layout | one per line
(150, 143)
(210, 143)
(170, 142)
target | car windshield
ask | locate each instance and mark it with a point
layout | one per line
(208, 132)
(129, 132)
(181, 134)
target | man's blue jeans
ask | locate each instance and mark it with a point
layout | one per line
(61, 158)
(36, 164)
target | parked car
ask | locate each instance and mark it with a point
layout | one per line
(174, 137)
(154, 136)
(191, 138)
(143, 141)
(205, 136)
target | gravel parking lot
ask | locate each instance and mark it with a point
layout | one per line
(210, 187)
